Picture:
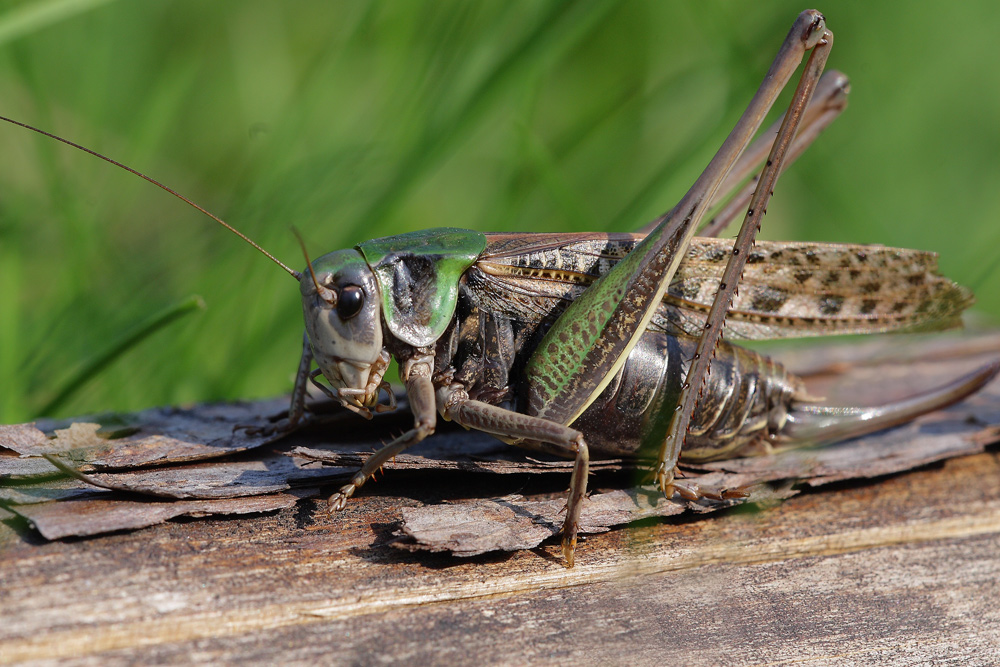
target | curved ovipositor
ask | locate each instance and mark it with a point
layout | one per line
(749, 405)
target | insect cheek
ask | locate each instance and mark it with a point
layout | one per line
(363, 330)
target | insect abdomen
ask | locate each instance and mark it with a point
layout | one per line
(744, 402)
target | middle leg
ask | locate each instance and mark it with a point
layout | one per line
(513, 426)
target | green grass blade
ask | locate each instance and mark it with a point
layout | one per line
(555, 33)
(29, 18)
(90, 369)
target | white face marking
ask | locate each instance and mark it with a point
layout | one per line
(345, 334)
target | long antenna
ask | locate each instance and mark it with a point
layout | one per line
(292, 272)
(325, 293)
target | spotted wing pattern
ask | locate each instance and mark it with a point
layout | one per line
(789, 289)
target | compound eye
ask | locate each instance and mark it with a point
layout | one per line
(350, 301)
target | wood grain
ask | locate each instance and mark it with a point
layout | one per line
(894, 570)
(903, 570)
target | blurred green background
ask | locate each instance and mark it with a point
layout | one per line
(355, 120)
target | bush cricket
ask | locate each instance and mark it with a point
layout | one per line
(597, 344)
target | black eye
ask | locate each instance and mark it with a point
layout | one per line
(350, 301)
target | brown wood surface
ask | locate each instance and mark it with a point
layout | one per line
(894, 571)
(903, 569)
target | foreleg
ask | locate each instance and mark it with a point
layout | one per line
(416, 374)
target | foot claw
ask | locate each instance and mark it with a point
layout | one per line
(569, 549)
(669, 484)
(693, 492)
(569, 536)
(338, 501)
(665, 479)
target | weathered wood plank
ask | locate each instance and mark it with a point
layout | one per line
(904, 569)
(895, 570)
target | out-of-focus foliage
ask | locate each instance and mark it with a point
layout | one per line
(354, 120)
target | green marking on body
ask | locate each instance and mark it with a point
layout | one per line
(563, 352)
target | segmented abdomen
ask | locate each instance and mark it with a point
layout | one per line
(744, 402)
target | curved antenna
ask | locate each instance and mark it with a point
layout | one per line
(324, 293)
(292, 272)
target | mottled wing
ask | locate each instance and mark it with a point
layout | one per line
(793, 289)
(789, 289)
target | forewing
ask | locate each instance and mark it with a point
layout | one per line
(792, 289)
(788, 289)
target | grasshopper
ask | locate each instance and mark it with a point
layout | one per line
(595, 344)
